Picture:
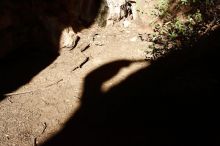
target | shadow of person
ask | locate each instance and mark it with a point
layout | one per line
(30, 35)
(167, 103)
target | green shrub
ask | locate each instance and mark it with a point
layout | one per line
(178, 32)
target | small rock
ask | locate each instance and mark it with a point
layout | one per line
(110, 22)
(126, 23)
(99, 43)
(7, 136)
(94, 36)
(75, 42)
(84, 62)
(84, 47)
(67, 38)
(134, 39)
(144, 37)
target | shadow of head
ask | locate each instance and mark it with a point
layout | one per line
(30, 35)
(167, 103)
(100, 75)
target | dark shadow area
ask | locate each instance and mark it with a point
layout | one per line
(30, 34)
(172, 102)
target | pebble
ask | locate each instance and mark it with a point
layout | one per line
(126, 23)
(134, 39)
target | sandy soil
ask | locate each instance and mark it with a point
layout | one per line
(40, 108)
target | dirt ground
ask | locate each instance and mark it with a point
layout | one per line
(40, 108)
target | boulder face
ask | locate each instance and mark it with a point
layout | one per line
(41, 22)
(116, 10)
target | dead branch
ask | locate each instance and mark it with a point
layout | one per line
(54, 83)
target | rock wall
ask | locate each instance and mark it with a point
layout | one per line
(41, 22)
(120, 10)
